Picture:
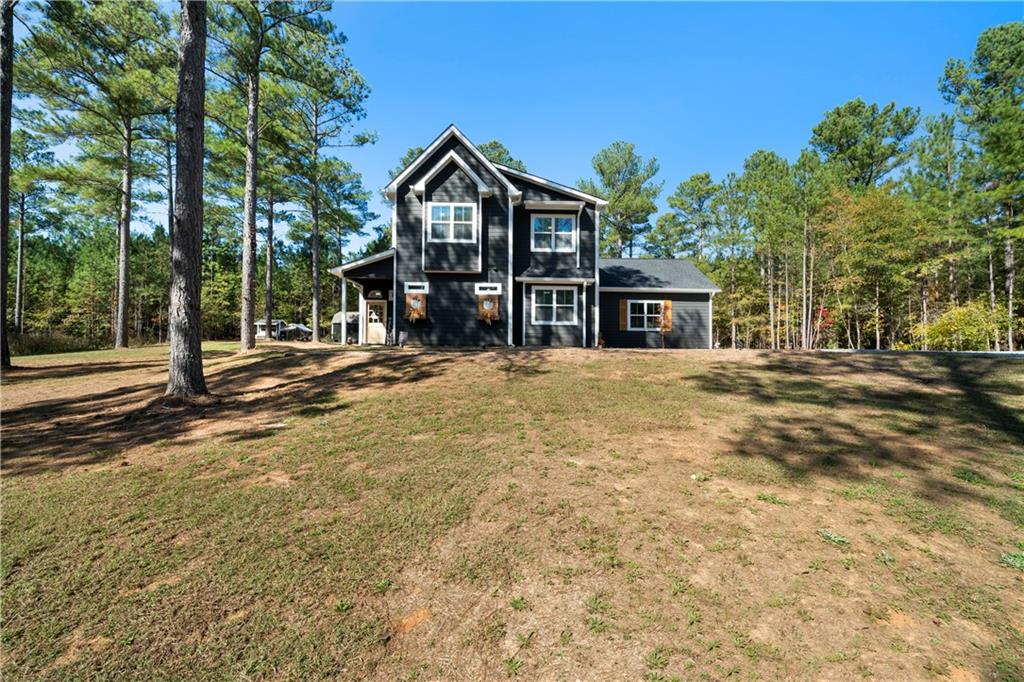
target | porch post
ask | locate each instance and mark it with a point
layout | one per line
(344, 311)
(362, 317)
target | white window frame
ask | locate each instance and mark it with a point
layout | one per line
(417, 287)
(452, 205)
(646, 302)
(488, 288)
(551, 248)
(554, 305)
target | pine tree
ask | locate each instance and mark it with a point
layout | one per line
(102, 75)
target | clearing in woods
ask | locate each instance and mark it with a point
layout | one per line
(554, 514)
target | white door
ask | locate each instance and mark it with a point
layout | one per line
(376, 321)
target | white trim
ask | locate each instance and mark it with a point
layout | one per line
(645, 302)
(394, 300)
(391, 191)
(555, 280)
(429, 218)
(511, 291)
(523, 331)
(658, 290)
(344, 311)
(597, 273)
(362, 318)
(452, 272)
(394, 226)
(544, 182)
(482, 187)
(551, 205)
(487, 288)
(339, 270)
(554, 307)
(584, 325)
(711, 342)
(573, 233)
(417, 287)
(579, 216)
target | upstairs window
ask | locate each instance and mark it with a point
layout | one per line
(452, 222)
(644, 315)
(553, 233)
(554, 305)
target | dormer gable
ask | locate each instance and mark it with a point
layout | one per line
(391, 191)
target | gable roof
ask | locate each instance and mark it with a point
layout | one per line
(391, 191)
(655, 274)
(451, 157)
(551, 184)
(340, 270)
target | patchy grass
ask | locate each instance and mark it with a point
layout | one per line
(338, 513)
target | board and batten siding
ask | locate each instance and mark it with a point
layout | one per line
(452, 301)
(690, 322)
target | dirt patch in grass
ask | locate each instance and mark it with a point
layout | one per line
(551, 514)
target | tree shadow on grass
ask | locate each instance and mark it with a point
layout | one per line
(845, 417)
(91, 429)
(23, 374)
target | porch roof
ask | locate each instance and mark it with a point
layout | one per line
(377, 266)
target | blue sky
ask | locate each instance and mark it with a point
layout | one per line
(699, 86)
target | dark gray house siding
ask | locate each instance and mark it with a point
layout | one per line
(451, 184)
(553, 335)
(690, 321)
(452, 302)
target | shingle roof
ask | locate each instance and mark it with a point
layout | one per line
(553, 271)
(654, 273)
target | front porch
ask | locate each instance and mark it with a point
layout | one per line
(373, 278)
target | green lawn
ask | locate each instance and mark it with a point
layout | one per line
(549, 514)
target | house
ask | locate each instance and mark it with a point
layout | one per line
(486, 255)
(275, 328)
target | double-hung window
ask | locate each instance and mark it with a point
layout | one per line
(555, 233)
(554, 305)
(644, 316)
(452, 222)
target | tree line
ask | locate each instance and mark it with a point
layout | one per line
(889, 230)
(97, 82)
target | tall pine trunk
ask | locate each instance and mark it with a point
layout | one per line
(1008, 264)
(6, 101)
(315, 211)
(248, 317)
(810, 303)
(169, 160)
(19, 282)
(804, 308)
(992, 287)
(771, 299)
(185, 331)
(124, 227)
(268, 283)
(878, 320)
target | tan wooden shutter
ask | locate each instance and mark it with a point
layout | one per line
(666, 315)
(415, 313)
(483, 313)
(623, 314)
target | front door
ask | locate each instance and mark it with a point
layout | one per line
(376, 321)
